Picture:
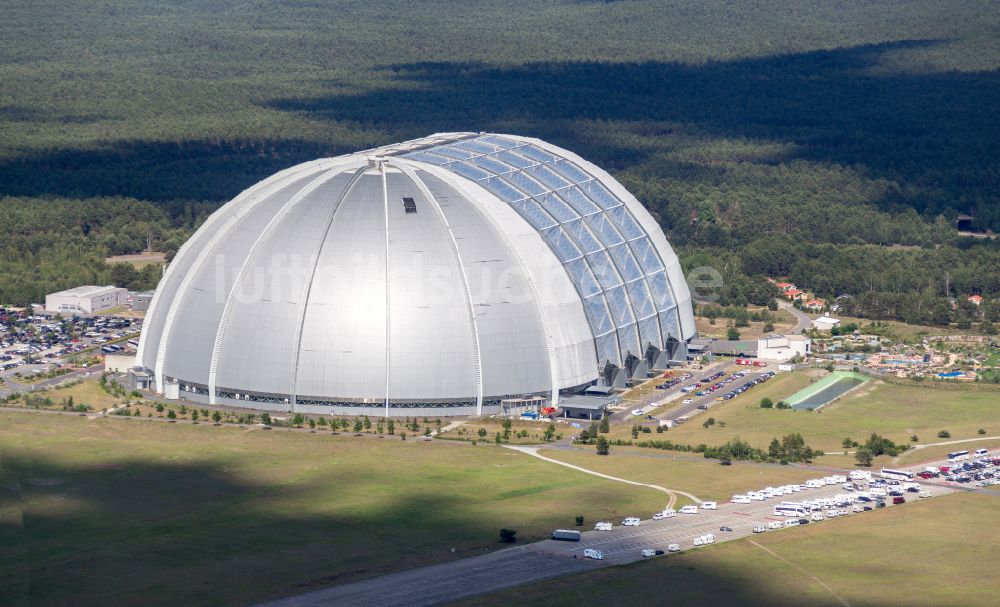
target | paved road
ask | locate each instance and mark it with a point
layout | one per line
(447, 582)
(803, 320)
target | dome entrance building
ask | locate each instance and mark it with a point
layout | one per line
(437, 276)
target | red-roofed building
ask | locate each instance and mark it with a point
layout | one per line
(976, 299)
(796, 294)
(815, 304)
(785, 286)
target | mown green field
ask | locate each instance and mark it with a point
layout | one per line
(935, 553)
(705, 479)
(113, 511)
(897, 412)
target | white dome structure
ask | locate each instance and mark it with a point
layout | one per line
(436, 276)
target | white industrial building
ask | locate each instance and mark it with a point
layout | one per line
(826, 322)
(445, 275)
(783, 347)
(86, 299)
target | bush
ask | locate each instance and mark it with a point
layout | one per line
(914, 438)
(944, 434)
(508, 536)
(982, 431)
(766, 403)
(603, 448)
(579, 521)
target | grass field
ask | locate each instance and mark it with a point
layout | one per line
(784, 323)
(705, 479)
(87, 392)
(139, 260)
(469, 431)
(896, 412)
(933, 553)
(109, 511)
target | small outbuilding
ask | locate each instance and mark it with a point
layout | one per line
(826, 322)
(584, 407)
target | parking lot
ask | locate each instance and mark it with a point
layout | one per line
(624, 544)
(971, 469)
(687, 393)
(31, 345)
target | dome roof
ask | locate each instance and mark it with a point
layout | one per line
(451, 271)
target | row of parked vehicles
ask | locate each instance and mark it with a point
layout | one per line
(763, 377)
(977, 468)
(706, 390)
(673, 382)
(814, 483)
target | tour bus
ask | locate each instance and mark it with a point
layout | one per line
(899, 475)
(958, 456)
(982, 452)
(790, 510)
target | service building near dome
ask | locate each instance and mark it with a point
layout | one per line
(439, 276)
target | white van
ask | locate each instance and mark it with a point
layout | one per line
(793, 522)
(637, 412)
(709, 538)
(740, 499)
(698, 541)
(814, 483)
(775, 524)
(981, 452)
(759, 528)
(674, 548)
(603, 526)
(590, 553)
(817, 516)
(632, 521)
(756, 496)
(689, 510)
(648, 552)
(708, 506)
